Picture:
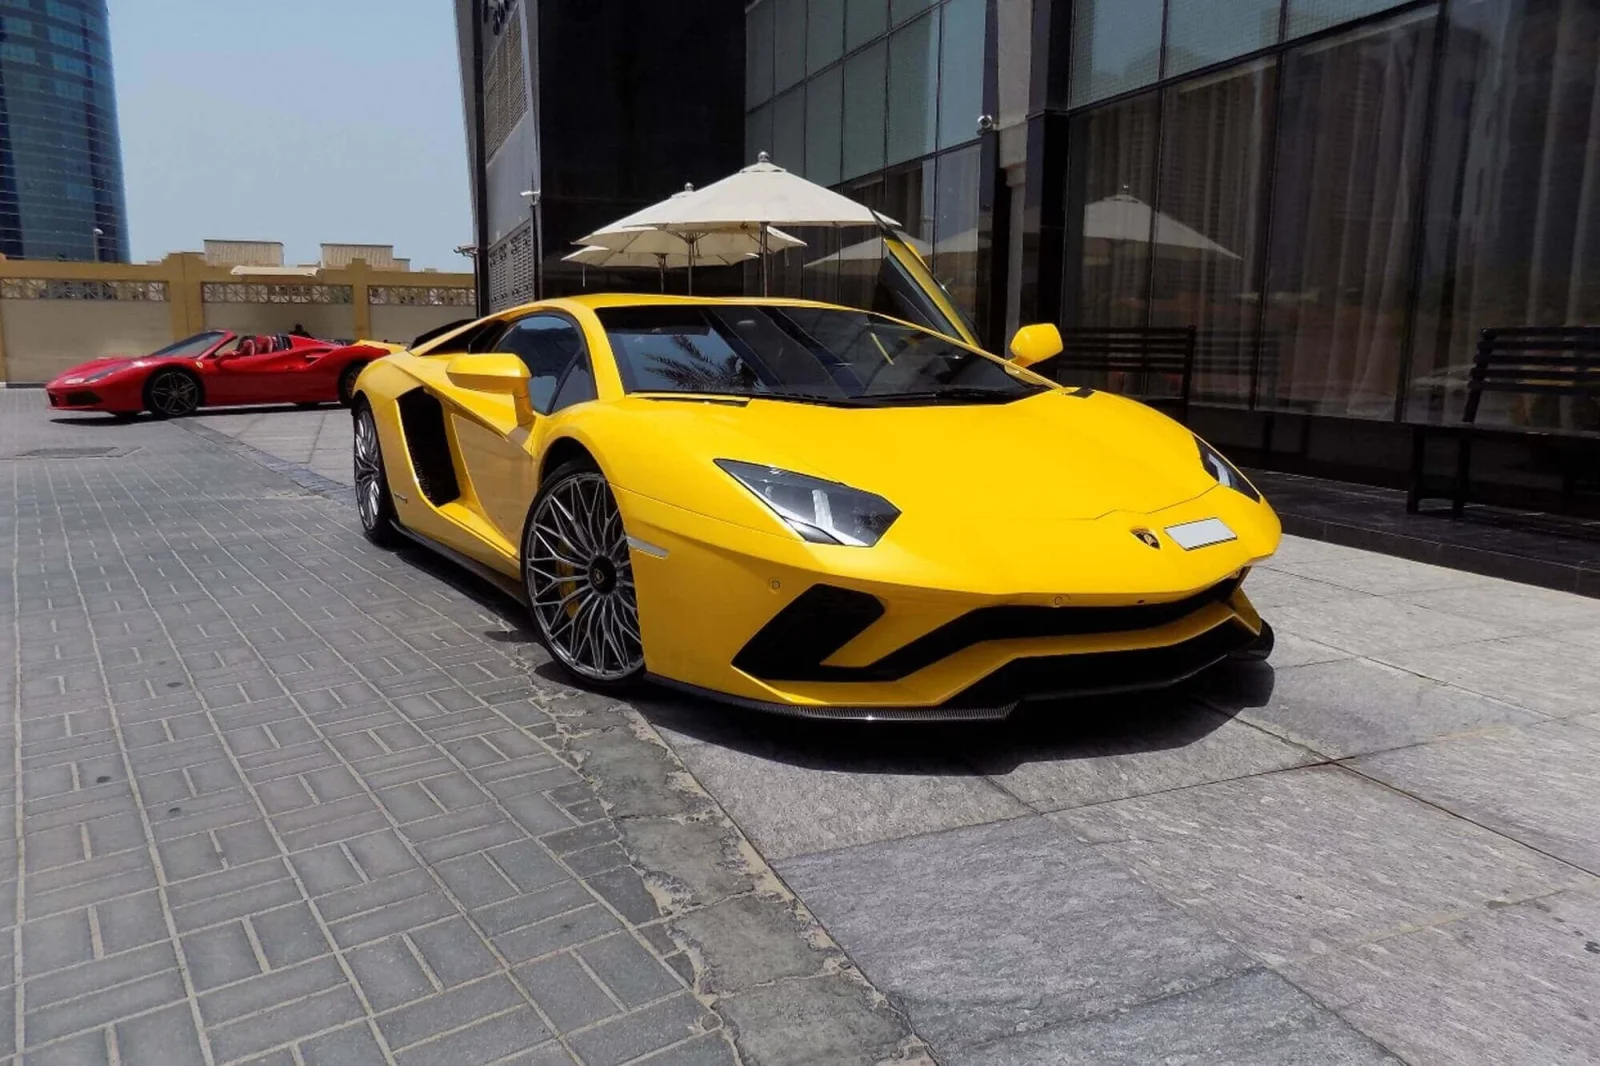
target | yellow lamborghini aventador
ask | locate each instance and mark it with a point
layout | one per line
(812, 509)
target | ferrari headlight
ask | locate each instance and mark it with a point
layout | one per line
(98, 374)
(823, 512)
(1225, 472)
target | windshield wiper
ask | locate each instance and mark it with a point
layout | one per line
(951, 394)
(830, 399)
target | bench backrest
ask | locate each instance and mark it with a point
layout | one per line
(1540, 360)
(1157, 351)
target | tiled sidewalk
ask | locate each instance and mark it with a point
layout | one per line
(281, 797)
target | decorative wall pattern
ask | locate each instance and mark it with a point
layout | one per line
(229, 293)
(56, 289)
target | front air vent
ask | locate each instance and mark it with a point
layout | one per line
(428, 442)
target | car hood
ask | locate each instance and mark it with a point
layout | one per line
(94, 366)
(1050, 457)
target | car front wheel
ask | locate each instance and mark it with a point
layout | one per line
(579, 578)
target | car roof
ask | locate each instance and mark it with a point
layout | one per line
(635, 299)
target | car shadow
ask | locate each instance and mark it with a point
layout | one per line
(1042, 731)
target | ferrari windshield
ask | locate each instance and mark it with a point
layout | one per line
(194, 345)
(806, 354)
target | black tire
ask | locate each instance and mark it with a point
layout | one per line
(347, 383)
(173, 393)
(578, 576)
(374, 504)
(1258, 650)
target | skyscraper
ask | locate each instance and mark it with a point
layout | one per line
(61, 192)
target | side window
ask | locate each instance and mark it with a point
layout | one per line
(577, 387)
(548, 344)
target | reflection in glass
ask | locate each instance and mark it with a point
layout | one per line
(1339, 269)
(864, 95)
(961, 72)
(1309, 16)
(824, 105)
(900, 10)
(758, 54)
(824, 33)
(1116, 46)
(955, 230)
(1212, 198)
(1111, 172)
(788, 43)
(864, 20)
(1203, 32)
(1513, 206)
(789, 130)
(913, 88)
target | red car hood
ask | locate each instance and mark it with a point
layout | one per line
(94, 366)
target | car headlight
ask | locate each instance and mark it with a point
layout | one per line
(98, 374)
(823, 512)
(1225, 472)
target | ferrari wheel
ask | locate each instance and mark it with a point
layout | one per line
(373, 502)
(172, 394)
(579, 577)
(347, 383)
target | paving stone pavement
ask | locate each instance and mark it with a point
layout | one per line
(1380, 848)
(280, 797)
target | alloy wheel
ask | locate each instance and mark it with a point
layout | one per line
(368, 471)
(174, 394)
(580, 580)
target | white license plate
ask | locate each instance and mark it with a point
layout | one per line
(1192, 535)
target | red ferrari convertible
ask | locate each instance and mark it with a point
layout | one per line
(217, 368)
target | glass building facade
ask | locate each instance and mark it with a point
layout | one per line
(881, 100)
(61, 191)
(1337, 194)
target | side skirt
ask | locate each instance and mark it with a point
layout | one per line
(505, 584)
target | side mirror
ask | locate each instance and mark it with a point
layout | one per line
(493, 372)
(1035, 343)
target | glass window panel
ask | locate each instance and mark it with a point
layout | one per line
(1116, 46)
(758, 54)
(1339, 267)
(955, 228)
(1111, 180)
(864, 20)
(788, 43)
(1309, 16)
(789, 130)
(1211, 195)
(913, 89)
(824, 105)
(1512, 224)
(1202, 32)
(758, 131)
(864, 96)
(824, 33)
(900, 10)
(961, 72)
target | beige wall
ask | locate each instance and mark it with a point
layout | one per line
(320, 320)
(44, 337)
(119, 308)
(401, 324)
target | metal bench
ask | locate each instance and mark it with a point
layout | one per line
(1131, 360)
(1555, 361)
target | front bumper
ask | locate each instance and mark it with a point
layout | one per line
(766, 621)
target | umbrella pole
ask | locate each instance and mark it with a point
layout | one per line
(691, 244)
(764, 291)
(661, 269)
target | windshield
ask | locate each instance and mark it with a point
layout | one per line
(190, 345)
(818, 355)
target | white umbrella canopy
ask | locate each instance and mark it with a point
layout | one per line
(611, 259)
(762, 194)
(1124, 217)
(708, 248)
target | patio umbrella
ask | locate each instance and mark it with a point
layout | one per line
(1124, 217)
(753, 200)
(611, 259)
(636, 235)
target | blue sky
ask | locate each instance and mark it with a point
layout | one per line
(295, 120)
